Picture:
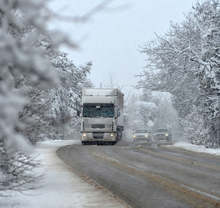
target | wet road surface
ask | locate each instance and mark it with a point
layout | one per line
(146, 177)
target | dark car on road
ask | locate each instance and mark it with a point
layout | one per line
(162, 136)
(142, 137)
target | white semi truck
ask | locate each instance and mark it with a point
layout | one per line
(101, 115)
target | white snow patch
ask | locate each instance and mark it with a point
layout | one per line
(197, 148)
(57, 143)
(60, 188)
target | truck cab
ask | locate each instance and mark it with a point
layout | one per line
(101, 116)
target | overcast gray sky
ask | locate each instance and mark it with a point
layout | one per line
(111, 39)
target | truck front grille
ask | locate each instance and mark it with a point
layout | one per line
(98, 126)
(98, 135)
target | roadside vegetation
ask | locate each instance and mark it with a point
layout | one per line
(185, 62)
(39, 88)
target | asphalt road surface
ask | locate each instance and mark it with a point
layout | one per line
(146, 177)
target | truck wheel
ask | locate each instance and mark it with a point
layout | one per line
(86, 143)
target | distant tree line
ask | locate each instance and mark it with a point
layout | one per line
(185, 62)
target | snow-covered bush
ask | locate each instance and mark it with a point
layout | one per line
(193, 128)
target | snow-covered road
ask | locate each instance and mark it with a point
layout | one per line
(61, 188)
(163, 176)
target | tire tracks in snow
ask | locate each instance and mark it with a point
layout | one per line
(192, 196)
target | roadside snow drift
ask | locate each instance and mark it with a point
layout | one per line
(60, 187)
(197, 148)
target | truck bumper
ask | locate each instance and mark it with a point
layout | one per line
(99, 136)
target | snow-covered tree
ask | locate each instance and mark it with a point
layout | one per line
(19, 58)
(51, 111)
(26, 51)
(207, 16)
(146, 109)
(193, 128)
(184, 63)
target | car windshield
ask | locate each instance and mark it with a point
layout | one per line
(161, 130)
(141, 131)
(98, 110)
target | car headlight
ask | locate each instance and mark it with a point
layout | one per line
(112, 134)
(166, 134)
(146, 135)
(134, 136)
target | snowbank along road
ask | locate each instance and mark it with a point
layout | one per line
(61, 188)
(145, 177)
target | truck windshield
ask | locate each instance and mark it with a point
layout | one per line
(98, 110)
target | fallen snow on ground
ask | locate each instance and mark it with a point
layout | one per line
(197, 148)
(60, 187)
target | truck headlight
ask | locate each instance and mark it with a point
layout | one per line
(84, 134)
(134, 136)
(112, 134)
(146, 135)
(166, 134)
